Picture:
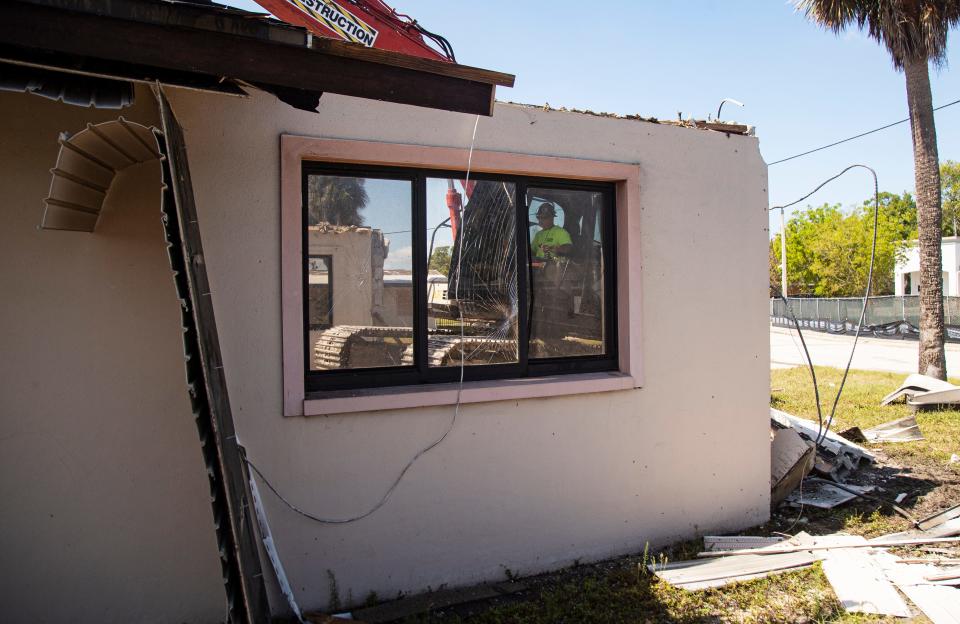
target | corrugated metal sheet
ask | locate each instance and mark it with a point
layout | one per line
(85, 91)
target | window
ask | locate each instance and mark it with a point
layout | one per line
(408, 273)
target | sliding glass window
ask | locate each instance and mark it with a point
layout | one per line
(411, 276)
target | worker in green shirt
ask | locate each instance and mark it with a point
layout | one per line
(551, 241)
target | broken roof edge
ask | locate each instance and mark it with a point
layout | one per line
(727, 127)
(261, 26)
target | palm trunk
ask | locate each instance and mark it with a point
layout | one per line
(932, 361)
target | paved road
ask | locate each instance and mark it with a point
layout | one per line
(883, 354)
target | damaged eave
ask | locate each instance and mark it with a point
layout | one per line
(175, 37)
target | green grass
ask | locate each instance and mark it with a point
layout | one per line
(791, 391)
(623, 596)
(617, 592)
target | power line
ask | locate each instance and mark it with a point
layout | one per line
(862, 134)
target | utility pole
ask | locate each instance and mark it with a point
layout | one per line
(783, 253)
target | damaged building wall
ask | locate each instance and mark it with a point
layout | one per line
(521, 485)
(105, 514)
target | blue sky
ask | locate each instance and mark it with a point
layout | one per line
(802, 87)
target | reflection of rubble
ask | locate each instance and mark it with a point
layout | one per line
(449, 350)
(350, 346)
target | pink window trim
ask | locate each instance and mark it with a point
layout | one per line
(296, 149)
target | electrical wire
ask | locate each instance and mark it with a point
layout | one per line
(813, 373)
(824, 428)
(862, 134)
(456, 413)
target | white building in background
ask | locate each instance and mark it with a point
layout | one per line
(907, 273)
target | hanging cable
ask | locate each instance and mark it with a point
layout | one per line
(453, 421)
(823, 428)
(862, 134)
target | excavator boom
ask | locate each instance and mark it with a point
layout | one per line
(367, 22)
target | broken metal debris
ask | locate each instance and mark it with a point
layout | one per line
(738, 542)
(704, 574)
(836, 456)
(68, 88)
(863, 574)
(900, 430)
(923, 390)
(823, 494)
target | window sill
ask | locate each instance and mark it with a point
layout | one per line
(369, 400)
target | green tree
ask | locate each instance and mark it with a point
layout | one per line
(914, 33)
(337, 200)
(898, 211)
(440, 260)
(950, 196)
(828, 249)
(803, 228)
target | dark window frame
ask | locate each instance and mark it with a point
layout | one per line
(420, 373)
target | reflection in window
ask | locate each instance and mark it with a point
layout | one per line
(320, 300)
(566, 273)
(473, 250)
(359, 272)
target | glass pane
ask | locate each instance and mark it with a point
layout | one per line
(567, 298)
(472, 282)
(359, 272)
(320, 296)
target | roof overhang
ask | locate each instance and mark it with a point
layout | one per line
(213, 48)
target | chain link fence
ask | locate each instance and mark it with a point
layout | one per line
(886, 316)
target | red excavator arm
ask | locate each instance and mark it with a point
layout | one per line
(367, 22)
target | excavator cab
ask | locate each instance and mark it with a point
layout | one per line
(566, 289)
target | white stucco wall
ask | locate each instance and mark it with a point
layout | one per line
(521, 485)
(105, 513)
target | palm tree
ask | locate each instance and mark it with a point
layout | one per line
(337, 200)
(915, 34)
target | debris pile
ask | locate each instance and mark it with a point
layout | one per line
(836, 456)
(864, 574)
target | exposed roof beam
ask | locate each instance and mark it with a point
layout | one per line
(168, 36)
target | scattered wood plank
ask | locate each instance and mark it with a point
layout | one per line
(950, 574)
(791, 459)
(939, 518)
(950, 528)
